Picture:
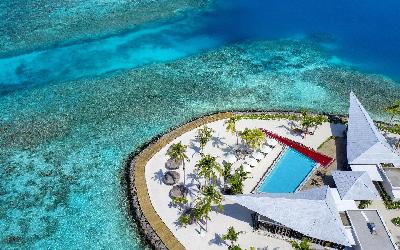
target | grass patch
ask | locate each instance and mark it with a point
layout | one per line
(328, 139)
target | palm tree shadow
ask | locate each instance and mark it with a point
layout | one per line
(193, 178)
(217, 240)
(195, 148)
(217, 142)
(192, 189)
(158, 176)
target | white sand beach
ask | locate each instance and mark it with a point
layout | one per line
(233, 215)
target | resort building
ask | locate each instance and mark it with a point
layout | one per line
(355, 185)
(314, 213)
(329, 216)
(368, 150)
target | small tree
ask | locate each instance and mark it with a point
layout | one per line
(204, 135)
(232, 236)
(177, 153)
(208, 168)
(202, 210)
(231, 127)
(303, 245)
(179, 201)
(213, 195)
(237, 180)
(226, 173)
(184, 219)
(393, 110)
(253, 137)
(308, 121)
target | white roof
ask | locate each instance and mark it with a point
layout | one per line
(311, 212)
(355, 185)
(365, 144)
(342, 205)
(372, 170)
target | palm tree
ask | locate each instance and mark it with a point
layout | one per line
(232, 236)
(213, 195)
(177, 153)
(317, 121)
(208, 168)
(210, 196)
(393, 110)
(253, 137)
(204, 135)
(231, 127)
(308, 121)
(303, 245)
(202, 210)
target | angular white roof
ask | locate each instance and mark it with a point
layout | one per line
(311, 212)
(365, 144)
(355, 185)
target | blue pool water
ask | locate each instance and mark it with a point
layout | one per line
(287, 173)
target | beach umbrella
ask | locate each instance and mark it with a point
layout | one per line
(265, 149)
(252, 162)
(272, 142)
(246, 167)
(258, 156)
(231, 159)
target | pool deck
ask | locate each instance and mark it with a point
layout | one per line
(234, 215)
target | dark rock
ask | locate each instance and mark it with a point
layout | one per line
(178, 191)
(171, 178)
(172, 165)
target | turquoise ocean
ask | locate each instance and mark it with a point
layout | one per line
(84, 83)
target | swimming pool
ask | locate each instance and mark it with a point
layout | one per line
(287, 173)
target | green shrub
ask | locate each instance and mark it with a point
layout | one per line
(364, 204)
(396, 221)
(386, 198)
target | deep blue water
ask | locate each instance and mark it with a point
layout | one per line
(364, 34)
(288, 173)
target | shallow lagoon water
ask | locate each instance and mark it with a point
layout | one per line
(64, 140)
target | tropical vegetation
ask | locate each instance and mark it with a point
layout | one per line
(231, 127)
(254, 138)
(209, 197)
(387, 200)
(208, 168)
(308, 121)
(236, 181)
(232, 236)
(204, 135)
(303, 245)
(393, 110)
(364, 204)
(396, 221)
(177, 153)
